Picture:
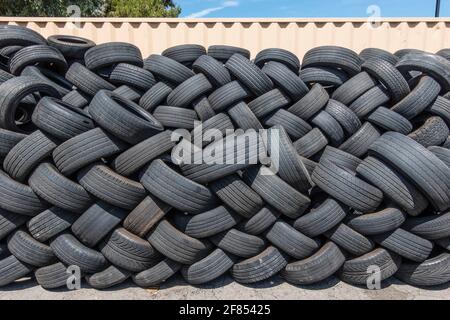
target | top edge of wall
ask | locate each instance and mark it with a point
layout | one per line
(219, 20)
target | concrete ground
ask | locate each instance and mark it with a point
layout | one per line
(226, 288)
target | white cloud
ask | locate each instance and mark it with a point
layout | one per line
(205, 12)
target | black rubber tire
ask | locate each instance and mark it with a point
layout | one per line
(393, 185)
(268, 102)
(214, 70)
(185, 53)
(323, 76)
(49, 223)
(330, 126)
(146, 215)
(219, 123)
(291, 241)
(237, 146)
(355, 271)
(72, 252)
(127, 251)
(321, 219)
(287, 80)
(311, 143)
(347, 188)
(244, 118)
(111, 187)
(12, 35)
(237, 195)
(351, 241)
(432, 65)
(391, 78)
(378, 222)
(176, 190)
(107, 278)
(348, 120)
(6, 53)
(128, 93)
(56, 189)
(390, 120)
(432, 227)
(19, 198)
(223, 52)
(405, 244)
(70, 46)
(111, 53)
(123, 118)
(340, 158)
(444, 243)
(354, 88)
(134, 158)
(249, 74)
(86, 80)
(8, 139)
(441, 108)
(167, 69)
(15, 90)
(446, 144)
(432, 272)
(41, 54)
(76, 99)
(283, 56)
(433, 132)
(418, 164)
(296, 127)
(321, 265)
(441, 153)
(30, 251)
(52, 276)
(227, 95)
(51, 77)
(27, 154)
(84, 149)
(260, 267)
(12, 269)
(376, 53)
(154, 96)
(175, 117)
(9, 222)
(276, 192)
(203, 109)
(157, 274)
(334, 57)
(315, 100)
(260, 221)
(209, 268)
(359, 143)
(96, 222)
(423, 95)
(61, 119)
(186, 92)
(211, 222)
(239, 243)
(369, 101)
(290, 166)
(133, 76)
(176, 245)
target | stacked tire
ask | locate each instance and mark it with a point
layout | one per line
(89, 179)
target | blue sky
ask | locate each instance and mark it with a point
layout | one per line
(309, 8)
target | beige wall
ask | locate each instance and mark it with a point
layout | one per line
(296, 35)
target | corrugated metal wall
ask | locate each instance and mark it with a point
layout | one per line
(296, 35)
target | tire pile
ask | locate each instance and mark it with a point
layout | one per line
(87, 177)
